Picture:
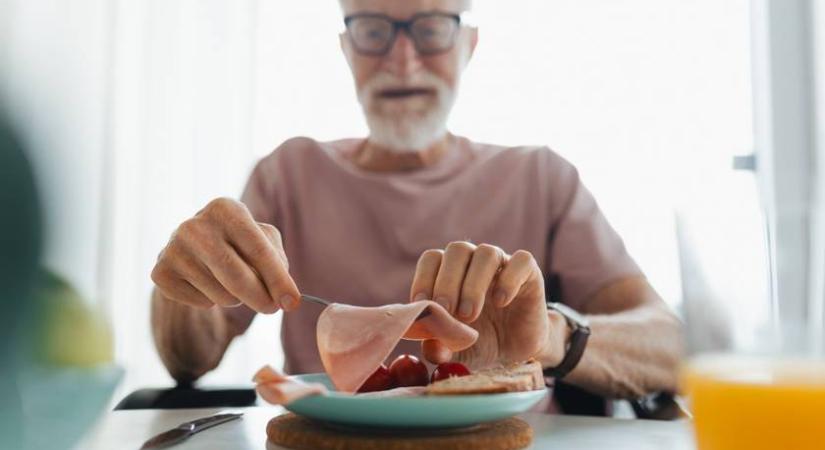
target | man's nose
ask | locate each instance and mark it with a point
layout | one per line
(403, 58)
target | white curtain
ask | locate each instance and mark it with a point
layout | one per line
(53, 81)
(790, 63)
(177, 100)
(183, 96)
(818, 222)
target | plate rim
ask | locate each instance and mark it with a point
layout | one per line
(325, 408)
(312, 377)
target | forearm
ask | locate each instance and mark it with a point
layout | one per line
(634, 347)
(631, 353)
(191, 341)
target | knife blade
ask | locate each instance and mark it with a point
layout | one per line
(185, 430)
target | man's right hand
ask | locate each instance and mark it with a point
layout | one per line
(223, 257)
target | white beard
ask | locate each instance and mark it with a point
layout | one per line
(409, 129)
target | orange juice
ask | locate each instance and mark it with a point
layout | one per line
(740, 403)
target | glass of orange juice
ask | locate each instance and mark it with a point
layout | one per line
(757, 402)
(755, 374)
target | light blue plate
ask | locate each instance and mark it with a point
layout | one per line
(410, 412)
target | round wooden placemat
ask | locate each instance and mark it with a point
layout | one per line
(299, 433)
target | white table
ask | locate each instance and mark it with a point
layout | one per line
(129, 429)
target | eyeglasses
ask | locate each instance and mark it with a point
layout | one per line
(431, 32)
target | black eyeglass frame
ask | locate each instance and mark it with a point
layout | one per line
(406, 26)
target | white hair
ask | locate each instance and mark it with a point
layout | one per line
(411, 129)
(463, 5)
(424, 121)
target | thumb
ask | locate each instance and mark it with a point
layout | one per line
(435, 352)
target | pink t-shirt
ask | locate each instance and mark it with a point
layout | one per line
(355, 236)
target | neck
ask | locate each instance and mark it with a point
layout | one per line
(376, 158)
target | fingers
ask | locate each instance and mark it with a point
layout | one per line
(425, 273)
(515, 273)
(484, 266)
(199, 276)
(179, 290)
(462, 277)
(458, 278)
(274, 237)
(237, 277)
(222, 256)
(450, 278)
(435, 352)
(255, 244)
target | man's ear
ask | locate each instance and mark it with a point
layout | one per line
(345, 47)
(473, 41)
(470, 49)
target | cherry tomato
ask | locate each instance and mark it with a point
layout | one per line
(407, 370)
(380, 380)
(448, 370)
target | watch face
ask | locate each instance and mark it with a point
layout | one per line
(570, 314)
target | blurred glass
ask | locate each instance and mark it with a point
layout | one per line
(19, 252)
(755, 376)
(56, 370)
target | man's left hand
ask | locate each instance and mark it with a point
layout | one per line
(500, 295)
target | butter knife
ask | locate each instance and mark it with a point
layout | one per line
(185, 430)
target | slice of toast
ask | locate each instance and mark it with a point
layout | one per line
(517, 377)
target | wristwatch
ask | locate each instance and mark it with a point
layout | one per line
(578, 340)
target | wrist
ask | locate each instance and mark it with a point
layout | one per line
(556, 343)
(237, 319)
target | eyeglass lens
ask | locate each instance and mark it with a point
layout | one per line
(431, 33)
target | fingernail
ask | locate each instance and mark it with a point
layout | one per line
(288, 302)
(465, 310)
(419, 296)
(499, 297)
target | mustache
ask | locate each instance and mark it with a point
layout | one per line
(385, 84)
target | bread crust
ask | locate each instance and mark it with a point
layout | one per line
(526, 376)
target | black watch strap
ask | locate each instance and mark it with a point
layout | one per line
(577, 344)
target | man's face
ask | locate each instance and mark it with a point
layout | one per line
(407, 95)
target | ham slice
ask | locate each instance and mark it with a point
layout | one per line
(278, 389)
(353, 340)
(268, 375)
(407, 391)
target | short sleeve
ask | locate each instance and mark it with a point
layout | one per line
(585, 253)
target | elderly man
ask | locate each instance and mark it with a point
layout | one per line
(413, 212)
